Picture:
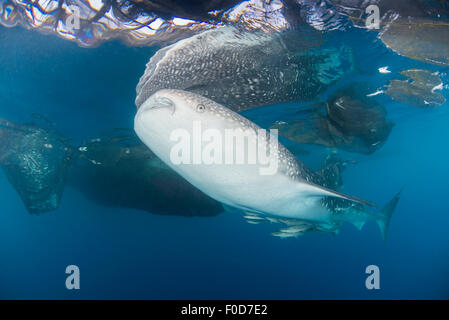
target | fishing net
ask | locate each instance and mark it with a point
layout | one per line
(35, 161)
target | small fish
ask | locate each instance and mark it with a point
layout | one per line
(288, 222)
(284, 235)
(256, 218)
(272, 220)
(296, 229)
(254, 221)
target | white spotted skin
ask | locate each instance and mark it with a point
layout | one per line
(241, 69)
(286, 194)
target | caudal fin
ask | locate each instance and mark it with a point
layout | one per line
(387, 212)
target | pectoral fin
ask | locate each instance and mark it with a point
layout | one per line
(313, 190)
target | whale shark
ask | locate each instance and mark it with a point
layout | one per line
(244, 69)
(292, 194)
(350, 120)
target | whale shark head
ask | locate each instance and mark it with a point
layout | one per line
(169, 110)
(182, 127)
(173, 105)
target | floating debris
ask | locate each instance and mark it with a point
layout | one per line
(384, 70)
(421, 92)
(420, 39)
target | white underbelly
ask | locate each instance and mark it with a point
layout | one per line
(242, 186)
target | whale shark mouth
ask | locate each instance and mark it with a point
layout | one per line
(159, 103)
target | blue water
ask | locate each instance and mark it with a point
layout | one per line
(132, 254)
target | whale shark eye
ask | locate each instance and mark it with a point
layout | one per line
(200, 108)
